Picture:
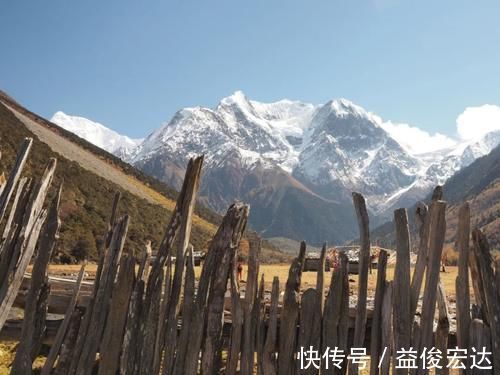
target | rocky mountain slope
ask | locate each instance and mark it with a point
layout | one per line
(96, 134)
(91, 177)
(479, 184)
(298, 163)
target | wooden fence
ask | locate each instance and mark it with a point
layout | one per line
(160, 320)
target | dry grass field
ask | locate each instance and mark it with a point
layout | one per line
(281, 270)
(269, 271)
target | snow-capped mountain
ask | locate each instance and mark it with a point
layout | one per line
(96, 133)
(297, 163)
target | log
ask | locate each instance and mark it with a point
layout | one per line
(236, 323)
(160, 337)
(259, 312)
(289, 316)
(310, 326)
(61, 332)
(112, 340)
(402, 320)
(103, 297)
(423, 219)
(68, 345)
(364, 263)
(320, 281)
(484, 262)
(187, 310)
(269, 362)
(332, 312)
(86, 320)
(462, 281)
(480, 338)
(385, 362)
(225, 243)
(23, 182)
(376, 329)
(443, 329)
(249, 328)
(438, 229)
(35, 310)
(25, 242)
(14, 176)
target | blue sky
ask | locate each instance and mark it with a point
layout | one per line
(131, 64)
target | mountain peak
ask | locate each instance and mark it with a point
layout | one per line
(238, 97)
(95, 133)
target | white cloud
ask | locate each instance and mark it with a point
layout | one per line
(415, 140)
(475, 122)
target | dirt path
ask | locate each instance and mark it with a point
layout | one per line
(94, 164)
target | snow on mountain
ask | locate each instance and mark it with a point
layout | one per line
(96, 134)
(326, 151)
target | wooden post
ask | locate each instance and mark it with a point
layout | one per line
(423, 218)
(364, 263)
(236, 323)
(376, 330)
(35, 310)
(462, 281)
(320, 281)
(112, 339)
(387, 347)
(102, 300)
(249, 329)
(187, 310)
(25, 243)
(269, 362)
(61, 332)
(484, 261)
(69, 342)
(402, 320)
(86, 320)
(438, 229)
(259, 312)
(14, 175)
(480, 338)
(289, 316)
(225, 243)
(333, 312)
(443, 329)
(310, 326)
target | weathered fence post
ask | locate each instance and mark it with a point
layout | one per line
(193, 177)
(484, 262)
(376, 333)
(402, 320)
(333, 313)
(364, 263)
(387, 347)
(423, 218)
(438, 229)
(462, 280)
(269, 362)
(23, 246)
(61, 332)
(249, 329)
(35, 309)
(289, 316)
(224, 246)
(15, 174)
(443, 329)
(236, 324)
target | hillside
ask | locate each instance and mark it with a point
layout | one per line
(479, 183)
(290, 157)
(91, 178)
